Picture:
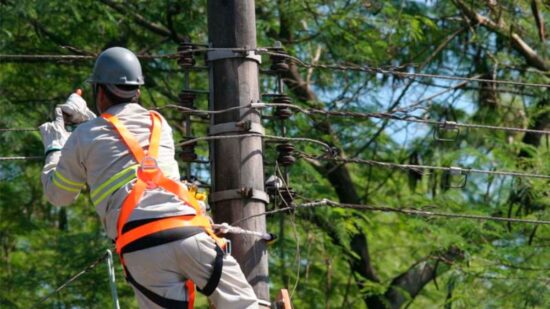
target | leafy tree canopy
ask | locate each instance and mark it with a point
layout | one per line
(327, 257)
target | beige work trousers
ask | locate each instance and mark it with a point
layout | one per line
(163, 269)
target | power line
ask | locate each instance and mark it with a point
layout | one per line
(42, 58)
(336, 67)
(4, 58)
(73, 278)
(441, 124)
(29, 158)
(369, 69)
(270, 137)
(420, 168)
(446, 125)
(18, 129)
(405, 211)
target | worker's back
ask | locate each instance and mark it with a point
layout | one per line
(95, 154)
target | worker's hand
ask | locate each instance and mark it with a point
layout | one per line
(76, 110)
(53, 133)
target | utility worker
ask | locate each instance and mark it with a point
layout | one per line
(126, 157)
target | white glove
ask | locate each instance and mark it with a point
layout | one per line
(75, 107)
(53, 133)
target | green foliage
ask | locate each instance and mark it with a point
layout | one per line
(499, 265)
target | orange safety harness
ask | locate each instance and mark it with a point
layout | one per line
(159, 231)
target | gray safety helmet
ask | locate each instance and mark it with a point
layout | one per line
(117, 66)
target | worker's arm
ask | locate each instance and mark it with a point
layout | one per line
(63, 175)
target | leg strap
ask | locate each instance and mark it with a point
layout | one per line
(154, 297)
(214, 279)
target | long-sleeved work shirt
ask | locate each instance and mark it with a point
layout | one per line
(95, 155)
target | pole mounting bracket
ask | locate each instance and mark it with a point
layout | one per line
(227, 53)
(242, 193)
(236, 127)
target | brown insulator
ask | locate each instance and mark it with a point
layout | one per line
(285, 147)
(282, 112)
(286, 160)
(187, 99)
(279, 62)
(285, 157)
(188, 153)
(280, 66)
(186, 58)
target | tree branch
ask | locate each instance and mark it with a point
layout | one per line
(41, 29)
(142, 21)
(503, 30)
(412, 281)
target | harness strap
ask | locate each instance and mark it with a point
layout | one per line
(137, 233)
(154, 141)
(126, 137)
(190, 285)
(216, 275)
(129, 204)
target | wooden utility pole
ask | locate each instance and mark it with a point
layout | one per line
(237, 163)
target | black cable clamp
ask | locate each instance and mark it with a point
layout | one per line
(287, 195)
(278, 191)
(452, 175)
(449, 126)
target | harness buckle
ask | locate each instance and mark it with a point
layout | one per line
(227, 248)
(149, 172)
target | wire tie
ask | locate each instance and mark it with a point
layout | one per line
(455, 171)
(449, 125)
(257, 105)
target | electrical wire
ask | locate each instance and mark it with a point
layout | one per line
(420, 168)
(203, 112)
(270, 137)
(4, 58)
(335, 67)
(18, 129)
(73, 278)
(446, 125)
(441, 124)
(369, 69)
(30, 158)
(405, 211)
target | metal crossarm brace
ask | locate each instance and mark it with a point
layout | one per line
(242, 193)
(225, 53)
(233, 127)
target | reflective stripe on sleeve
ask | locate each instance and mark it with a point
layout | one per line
(114, 183)
(70, 182)
(65, 184)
